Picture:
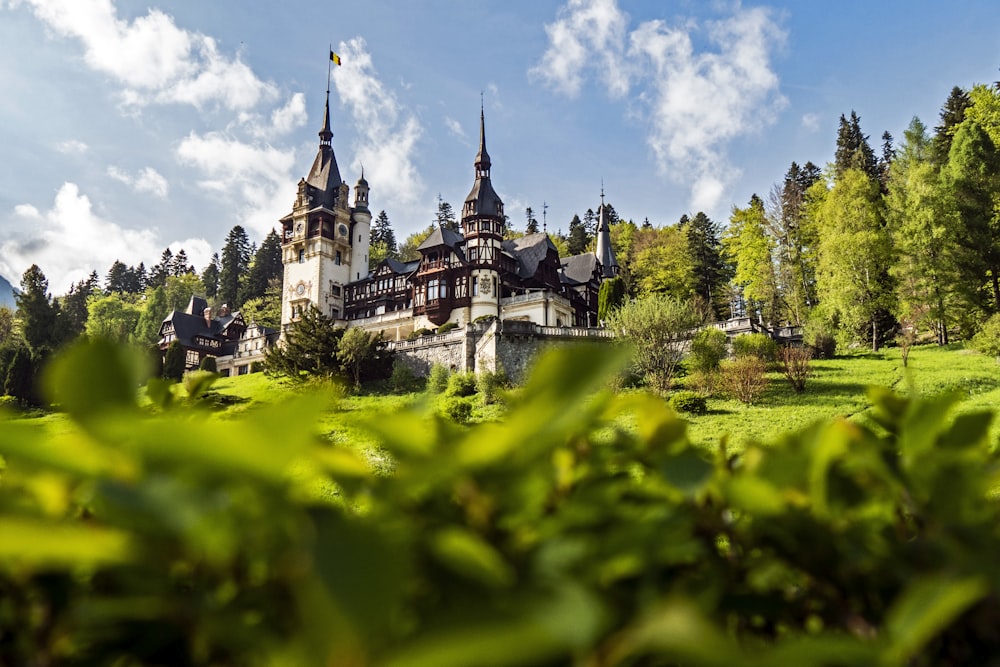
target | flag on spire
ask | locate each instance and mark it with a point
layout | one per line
(334, 57)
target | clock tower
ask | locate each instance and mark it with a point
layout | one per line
(324, 241)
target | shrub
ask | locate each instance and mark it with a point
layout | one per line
(173, 362)
(403, 380)
(490, 385)
(461, 384)
(688, 401)
(744, 378)
(420, 332)
(10, 404)
(708, 348)
(821, 336)
(704, 382)
(458, 409)
(208, 364)
(755, 345)
(796, 366)
(437, 380)
(987, 340)
(485, 318)
(446, 327)
(256, 366)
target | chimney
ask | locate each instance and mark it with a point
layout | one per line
(223, 310)
(208, 318)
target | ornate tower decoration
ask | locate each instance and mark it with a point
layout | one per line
(483, 227)
(324, 242)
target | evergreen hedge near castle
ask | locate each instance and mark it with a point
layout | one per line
(560, 536)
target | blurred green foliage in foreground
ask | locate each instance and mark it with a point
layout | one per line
(557, 537)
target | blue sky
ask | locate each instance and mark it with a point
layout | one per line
(130, 126)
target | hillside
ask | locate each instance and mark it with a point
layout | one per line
(6, 293)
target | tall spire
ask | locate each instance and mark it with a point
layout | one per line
(605, 253)
(482, 157)
(325, 134)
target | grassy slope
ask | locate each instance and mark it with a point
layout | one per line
(838, 389)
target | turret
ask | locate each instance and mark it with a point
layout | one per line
(361, 219)
(605, 253)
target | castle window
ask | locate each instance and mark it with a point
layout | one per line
(335, 290)
(432, 289)
(302, 256)
(191, 358)
(336, 258)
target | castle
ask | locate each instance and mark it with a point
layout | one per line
(460, 277)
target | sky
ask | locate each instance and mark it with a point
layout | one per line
(130, 126)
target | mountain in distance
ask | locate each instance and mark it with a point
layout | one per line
(6, 293)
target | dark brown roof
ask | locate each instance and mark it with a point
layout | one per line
(529, 251)
(578, 269)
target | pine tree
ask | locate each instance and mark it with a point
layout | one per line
(159, 273)
(235, 264)
(20, 377)
(155, 310)
(179, 264)
(117, 278)
(310, 348)
(532, 224)
(853, 149)
(382, 233)
(37, 311)
(73, 314)
(952, 115)
(445, 217)
(589, 224)
(705, 248)
(576, 240)
(266, 267)
(210, 277)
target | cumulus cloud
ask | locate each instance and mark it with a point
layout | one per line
(154, 59)
(387, 132)
(147, 180)
(586, 36)
(72, 147)
(258, 177)
(70, 240)
(695, 101)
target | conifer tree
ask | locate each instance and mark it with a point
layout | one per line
(210, 277)
(38, 312)
(382, 233)
(532, 223)
(853, 149)
(576, 239)
(445, 216)
(235, 263)
(174, 362)
(951, 116)
(159, 272)
(708, 267)
(266, 266)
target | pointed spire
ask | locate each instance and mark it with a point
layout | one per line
(605, 253)
(325, 134)
(482, 157)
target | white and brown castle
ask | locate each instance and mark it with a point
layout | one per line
(459, 277)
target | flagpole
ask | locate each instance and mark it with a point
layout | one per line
(329, 64)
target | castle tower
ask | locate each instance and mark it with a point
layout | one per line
(483, 227)
(605, 253)
(361, 230)
(319, 250)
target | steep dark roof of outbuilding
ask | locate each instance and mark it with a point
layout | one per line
(578, 269)
(529, 251)
(442, 236)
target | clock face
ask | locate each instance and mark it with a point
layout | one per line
(300, 289)
(342, 230)
(298, 228)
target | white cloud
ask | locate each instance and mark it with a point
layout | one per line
(587, 35)
(454, 127)
(258, 177)
(72, 147)
(154, 59)
(387, 133)
(291, 116)
(695, 102)
(147, 180)
(810, 121)
(69, 241)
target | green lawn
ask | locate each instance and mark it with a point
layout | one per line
(838, 388)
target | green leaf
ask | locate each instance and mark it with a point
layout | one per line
(687, 471)
(925, 608)
(756, 496)
(93, 377)
(48, 545)
(469, 555)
